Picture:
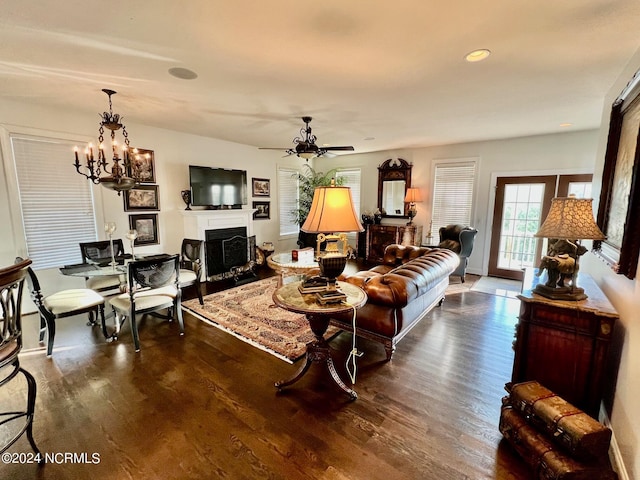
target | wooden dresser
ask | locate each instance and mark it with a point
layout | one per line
(564, 344)
(379, 236)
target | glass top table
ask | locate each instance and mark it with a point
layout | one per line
(318, 315)
(284, 264)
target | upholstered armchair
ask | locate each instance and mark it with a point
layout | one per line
(459, 239)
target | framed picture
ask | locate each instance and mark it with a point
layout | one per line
(147, 226)
(262, 210)
(142, 197)
(142, 165)
(261, 187)
(620, 193)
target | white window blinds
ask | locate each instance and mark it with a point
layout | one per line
(56, 202)
(287, 200)
(452, 194)
(351, 179)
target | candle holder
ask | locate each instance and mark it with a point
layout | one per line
(132, 235)
(110, 228)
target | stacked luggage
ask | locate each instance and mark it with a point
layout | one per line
(557, 440)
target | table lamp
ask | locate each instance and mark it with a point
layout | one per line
(412, 197)
(570, 219)
(332, 211)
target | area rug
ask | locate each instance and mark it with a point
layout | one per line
(248, 313)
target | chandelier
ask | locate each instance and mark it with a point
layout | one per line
(99, 171)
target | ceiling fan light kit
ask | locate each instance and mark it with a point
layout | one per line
(305, 144)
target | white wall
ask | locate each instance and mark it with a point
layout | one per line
(624, 294)
(572, 152)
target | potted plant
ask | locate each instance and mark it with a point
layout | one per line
(308, 180)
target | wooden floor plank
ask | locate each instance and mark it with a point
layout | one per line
(204, 405)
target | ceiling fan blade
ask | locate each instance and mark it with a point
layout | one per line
(344, 149)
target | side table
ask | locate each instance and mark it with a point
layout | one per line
(318, 316)
(284, 264)
(564, 344)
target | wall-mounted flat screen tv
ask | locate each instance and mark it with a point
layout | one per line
(217, 187)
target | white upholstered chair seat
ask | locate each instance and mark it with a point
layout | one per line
(145, 299)
(187, 276)
(79, 299)
(104, 283)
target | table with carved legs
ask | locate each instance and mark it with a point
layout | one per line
(318, 315)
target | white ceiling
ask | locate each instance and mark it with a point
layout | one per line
(389, 70)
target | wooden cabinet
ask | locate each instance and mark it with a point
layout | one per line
(564, 344)
(379, 236)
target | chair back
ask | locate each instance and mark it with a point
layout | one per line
(11, 287)
(100, 252)
(35, 289)
(190, 255)
(154, 273)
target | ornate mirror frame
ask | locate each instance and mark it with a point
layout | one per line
(620, 194)
(394, 169)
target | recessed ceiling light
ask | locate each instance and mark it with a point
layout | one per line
(183, 73)
(566, 124)
(370, 138)
(477, 55)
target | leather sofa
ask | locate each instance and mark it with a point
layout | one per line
(401, 291)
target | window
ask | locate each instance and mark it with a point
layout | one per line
(287, 200)
(452, 193)
(351, 179)
(56, 203)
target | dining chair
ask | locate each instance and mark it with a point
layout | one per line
(191, 265)
(152, 285)
(62, 304)
(100, 252)
(11, 287)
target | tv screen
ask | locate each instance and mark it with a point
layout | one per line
(217, 187)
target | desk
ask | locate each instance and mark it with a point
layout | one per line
(318, 316)
(284, 265)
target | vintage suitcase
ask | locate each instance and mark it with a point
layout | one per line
(546, 459)
(580, 435)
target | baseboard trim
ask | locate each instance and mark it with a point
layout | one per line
(614, 450)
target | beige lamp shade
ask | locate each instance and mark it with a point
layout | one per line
(571, 218)
(332, 211)
(413, 195)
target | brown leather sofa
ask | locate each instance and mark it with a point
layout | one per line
(401, 291)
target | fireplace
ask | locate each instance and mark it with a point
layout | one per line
(213, 226)
(217, 262)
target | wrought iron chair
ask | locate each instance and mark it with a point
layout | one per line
(191, 265)
(11, 287)
(65, 303)
(153, 285)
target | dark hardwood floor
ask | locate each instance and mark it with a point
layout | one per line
(204, 405)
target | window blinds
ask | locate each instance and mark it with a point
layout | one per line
(56, 203)
(452, 194)
(287, 200)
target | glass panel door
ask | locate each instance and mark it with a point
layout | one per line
(521, 203)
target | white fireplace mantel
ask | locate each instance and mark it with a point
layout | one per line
(196, 222)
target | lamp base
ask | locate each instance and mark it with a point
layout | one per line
(560, 293)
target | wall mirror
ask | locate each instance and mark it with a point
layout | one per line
(394, 177)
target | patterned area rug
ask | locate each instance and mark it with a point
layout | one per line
(248, 312)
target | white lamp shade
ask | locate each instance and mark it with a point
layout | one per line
(332, 211)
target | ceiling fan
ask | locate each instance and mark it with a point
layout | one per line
(305, 145)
